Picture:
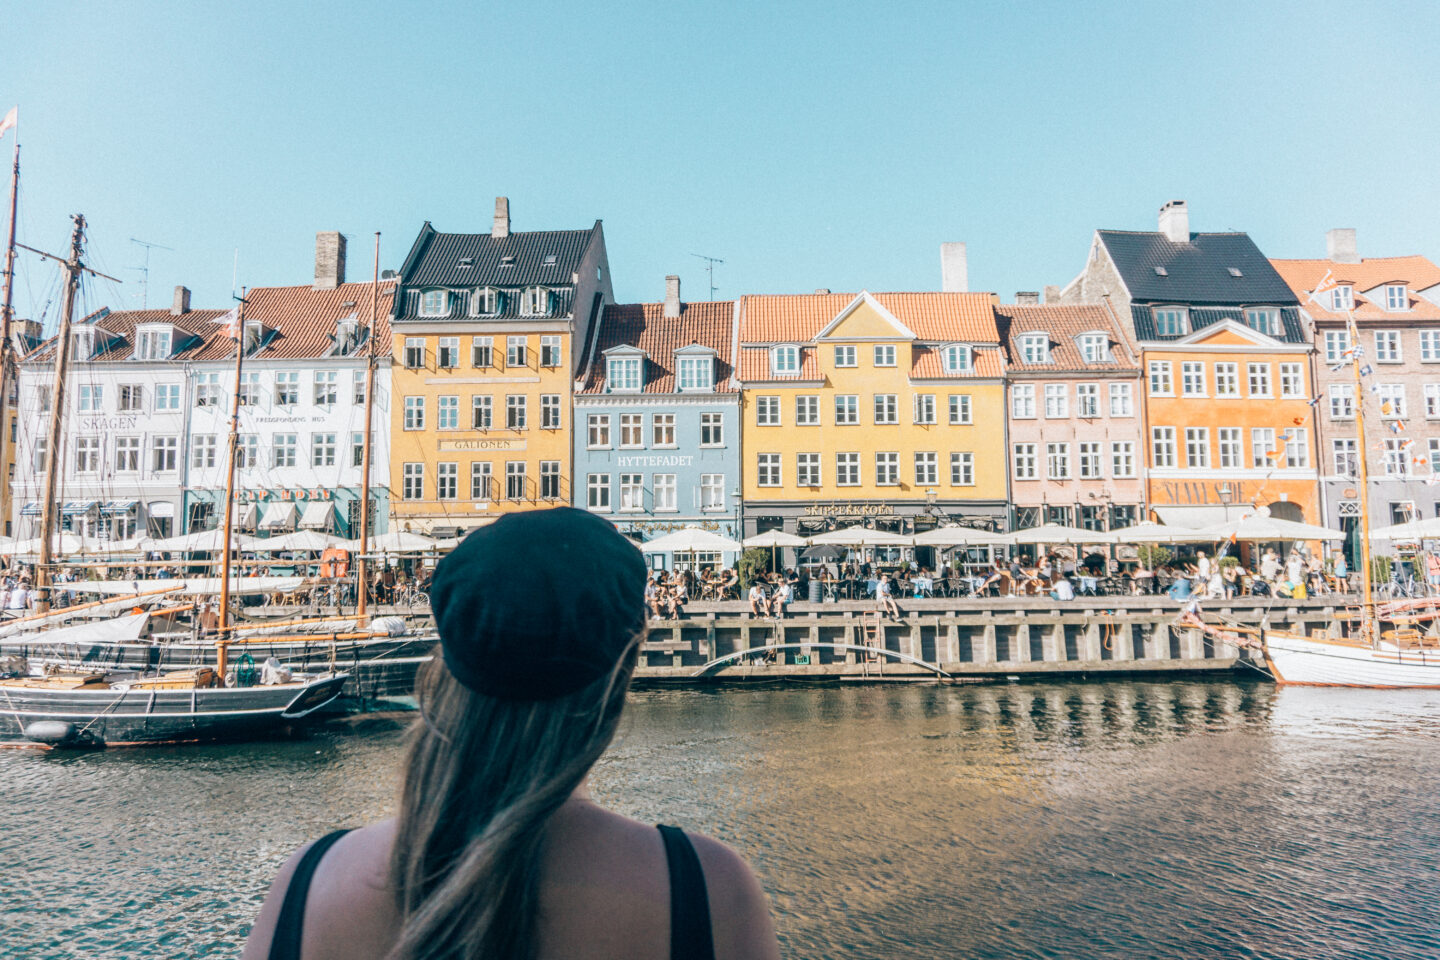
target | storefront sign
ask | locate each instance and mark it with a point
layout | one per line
(654, 461)
(1201, 493)
(460, 446)
(106, 424)
(267, 496)
(850, 509)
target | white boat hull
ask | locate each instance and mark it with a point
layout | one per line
(1300, 660)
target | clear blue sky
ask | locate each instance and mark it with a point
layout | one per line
(808, 144)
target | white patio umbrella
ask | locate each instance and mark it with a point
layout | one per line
(394, 541)
(1149, 532)
(1053, 533)
(862, 537)
(1262, 526)
(691, 540)
(311, 540)
(62, 544)
(774, 539)
(1426, 529)
(200, 541)
(958, 536)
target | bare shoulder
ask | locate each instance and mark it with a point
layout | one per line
(739, 909)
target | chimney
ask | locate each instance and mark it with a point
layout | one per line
(25, 334)
(1340, 245)
(672, 296)
(501, 227)
(1052, 293)
(821, 291)
(1027, 298)
(329, 260)
(954, 274)
(181, 304)
(1175, 221)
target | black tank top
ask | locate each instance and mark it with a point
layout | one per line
(690, 934)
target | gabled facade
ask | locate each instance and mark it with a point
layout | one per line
(488, 329)
(1395, 302)
(657, 432)
(885, 409)
(1227, 414)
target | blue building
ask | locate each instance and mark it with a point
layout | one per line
(657, 428)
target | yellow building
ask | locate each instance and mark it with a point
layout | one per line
(885, 409)
(488, 329)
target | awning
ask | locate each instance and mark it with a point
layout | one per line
(74, 507)
(1205, 515)
(244, 515)
(161, 508)
(119, 506)
(277, 515)
(316, 515)
(31, 509)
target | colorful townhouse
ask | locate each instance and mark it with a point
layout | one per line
(1395, 302)
(488, 332)
(884, 409)
(1074, 398)
(657, 428)
(1228, 387)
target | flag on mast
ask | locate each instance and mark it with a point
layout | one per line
(10, 120)
(1327, 282)
(230, 321)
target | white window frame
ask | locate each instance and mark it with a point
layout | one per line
(884, 355)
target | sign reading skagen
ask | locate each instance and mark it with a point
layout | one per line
(445, 446)
(109, 423)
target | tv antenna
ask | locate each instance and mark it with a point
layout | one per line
(144, 269)
(709, 269)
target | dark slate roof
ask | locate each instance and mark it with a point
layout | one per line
(1202, 317)
(435, 258)
(1197, 271)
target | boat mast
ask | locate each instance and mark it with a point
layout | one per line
(222, 645)
(362, 580)
(1367, 609)
(7, 309)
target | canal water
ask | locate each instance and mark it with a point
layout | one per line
(1127, 819)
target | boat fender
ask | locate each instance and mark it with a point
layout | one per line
(53, 732)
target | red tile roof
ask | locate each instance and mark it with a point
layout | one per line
(796, 318)
(925, 364)
(1417, 273)
(200, 324)
(644, 325)
(755, 366)
(1063, 323)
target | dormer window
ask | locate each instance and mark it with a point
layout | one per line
(1342, 298)
(1170, 321)
(1395, 297)
(695, 372)
(487, 302)
(955, 358)
(785, 360)
(624, 374)
(1264, 319)
(253, 334)
(1095, 347)
(82, 344)
(154, 343)
(1035, 347)
(347, 332)
(434, 303)
(537, 301)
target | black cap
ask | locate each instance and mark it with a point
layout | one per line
(538, 604)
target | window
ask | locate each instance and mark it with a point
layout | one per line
(847, 410)
(482, 352)
(536, 301)
(515, 353)
(767, 411)
(1395, 458)
(924, 404)
(482, 411)
(447, 481)
(549, 353)
(1121, 400)
(1192, 379)
(83, 344)
(622, 374)
(165, 453)
(1090, 462)
(1057, 401)
(1022, 401)
(1262, 445)
(549, 414)
(597, 491)
(515, 479)
(1342, 298)
(1297, 448)
(885, 355)
(167, 397)
(785, 360)
(1429, 346)
(515, 412)
(203, 449)
(712, 430)
(414, 413)
(1197, 447)
(886, 409)
(712, 492)
(955, 358)
(1169, 321)
(662, 430)
(327, 389)
(1057, 461)
(41, 461)
(927, 468)
(357, 387)
(1230, 445)
(447, 356)
(807, 469)
(1162, 446)
(887, 469)
(1337, 345)
(92, 397)
(447, 413)
(847, 469)
(1035, 347)
(1025, 461)
(487, 301)
(696, 373)
(1387, 346)
(631, 425)
(767, 469)
(1122, 458)
(1161, 384)
(282, 449)
(960, 409)
(1258, 375)
(433, 303)
(414, 353)
(1227, 379)
(632, 492)
(1095, 348)
(1432, 401)
(962, 469)
(127, 454)
(1434, 449)
(1087, 400)
(1342, 401)
(845, 355)
(322, 450)
(1292, 383)
(87, 455)
(357, 449)
(413, 481)
(287, 388)
(1392, 400)
(807, 411)
(1264, 319)
(131, 398)
(480, 488)
(550, 480)
(154, 344)
(250, 390)
(1395, 298)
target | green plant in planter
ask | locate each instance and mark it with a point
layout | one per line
(1154, 556)
(1227, 562)
(753, 563)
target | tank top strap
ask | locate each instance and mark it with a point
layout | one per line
(690, 934)
(285, 943)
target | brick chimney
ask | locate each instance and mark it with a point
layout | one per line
(501, 227)
(954, 272)
(1027, 298)
(1340, 245)
(672, 296)
(329, 260)
(1175, 221)
(181, 304)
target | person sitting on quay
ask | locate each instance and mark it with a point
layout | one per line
(1230, 577)
(653, 596)
(759, 605)
(679, 595)
(781, 594)
(885, 594)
